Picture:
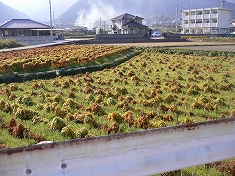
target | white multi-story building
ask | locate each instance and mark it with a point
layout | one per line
(206, 21)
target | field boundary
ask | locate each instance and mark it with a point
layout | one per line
(139, 153)
(65, 71)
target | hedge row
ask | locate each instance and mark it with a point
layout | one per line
(66, 72)
(10, 43)
(213, 53)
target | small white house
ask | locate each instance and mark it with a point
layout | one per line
(128, 24)
(215, 20)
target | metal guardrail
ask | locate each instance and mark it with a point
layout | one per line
(139, 153)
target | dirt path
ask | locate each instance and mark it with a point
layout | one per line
(193, 44)
(197, 45)
(215, 47)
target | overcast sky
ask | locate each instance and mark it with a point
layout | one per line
(30, 7)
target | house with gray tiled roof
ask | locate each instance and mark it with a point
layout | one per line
(23, 27)
(128, 24)
(27, 31)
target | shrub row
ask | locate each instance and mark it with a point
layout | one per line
(193, 37)
(213, 53)
(9, 43)
(66, 72)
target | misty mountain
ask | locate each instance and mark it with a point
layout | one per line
(88, 12)
(8, 13)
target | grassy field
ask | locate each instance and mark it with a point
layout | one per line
(151, 90)
(157, 88)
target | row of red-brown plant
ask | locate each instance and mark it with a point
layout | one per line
(149, 91)
(19, 130)
(55, 57)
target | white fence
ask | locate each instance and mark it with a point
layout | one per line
(140, 153)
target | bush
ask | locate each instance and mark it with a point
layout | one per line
(82, 132)
(68, 132)
(57, 124)
(10, 43)
(25, 114)
(2, 145)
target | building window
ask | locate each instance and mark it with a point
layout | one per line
(199, 12)
(214, 21)
(199, 21)
(6, 33)
(214, 12)
(206, 12)
(192, 13)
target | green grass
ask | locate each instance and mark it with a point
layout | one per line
(196, 171)
(6, 138)
(229, 39)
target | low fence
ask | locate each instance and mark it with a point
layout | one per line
(32, 40)
(139, 153)
(120, 36)
(131, 41)
(192, 36)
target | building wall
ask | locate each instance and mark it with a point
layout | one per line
(225, 17)
(138, 21)
(121, 37)
(207, 20)
(22, 32)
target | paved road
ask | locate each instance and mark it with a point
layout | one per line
(197, 45)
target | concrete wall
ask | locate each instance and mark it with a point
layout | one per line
(32, 40)
(140, 153)
(224, 19)
(120, 36)
(130, 41)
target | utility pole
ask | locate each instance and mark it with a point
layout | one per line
(104, 26)
(222, 3)
(177, 16)
(54, 18)
(100, 26)
(50, 15)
